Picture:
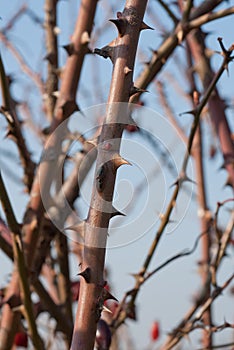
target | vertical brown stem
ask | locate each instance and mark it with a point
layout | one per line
(90, 297)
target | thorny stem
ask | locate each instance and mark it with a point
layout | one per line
(123, 54)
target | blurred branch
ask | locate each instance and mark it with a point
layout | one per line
(187, 8)
(215, 105)
(63, 276)
(49, 305)
(165, 50)
(168, 110)
(204, 214)
(20, 264)
(51, 56)
(5, 240)
(175, 257)
(208, 17)
(123, 310)
(24, 66)
(63, 203)
(166, 7)
(15, 129)
(222, 238)
(220, 346)
(12, 21)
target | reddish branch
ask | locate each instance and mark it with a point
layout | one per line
(203, 210)
(205, 224)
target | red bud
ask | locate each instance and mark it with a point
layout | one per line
(155, 333)
(21, 339)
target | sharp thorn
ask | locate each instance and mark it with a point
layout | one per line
(117, 161)
(106, 295)
(193, 112)
(115, 212)
(105, 52)
(120, 24)
(127, 70)
(69, 48)
(50, 57)
(86, 274)
(69, 107)
(145, 26)
(220, 40)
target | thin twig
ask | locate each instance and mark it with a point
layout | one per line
(23, 64)
(175, 257)
(168, 11)
(208, 17)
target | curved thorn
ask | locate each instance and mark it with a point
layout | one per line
(145, 26)
(86, 274)
(117, 161)
(115, 212)
(120, 24)
(69, 48)
(106, 295)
